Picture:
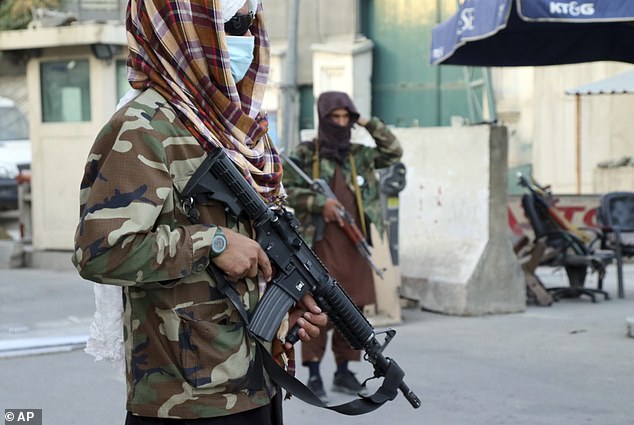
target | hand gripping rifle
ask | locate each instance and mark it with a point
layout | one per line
(298, 270)
(349, 226)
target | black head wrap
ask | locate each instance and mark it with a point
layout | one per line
(334, 140)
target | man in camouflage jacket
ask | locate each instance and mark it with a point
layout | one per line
(309, 205)
(350, 170)
(188, 354)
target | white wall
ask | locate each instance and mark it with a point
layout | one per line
(320, 21)
(344, 66)
(60, 151)
(543, 121)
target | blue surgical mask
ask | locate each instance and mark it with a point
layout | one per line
(240, 54)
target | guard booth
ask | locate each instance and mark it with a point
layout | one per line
(74, 76)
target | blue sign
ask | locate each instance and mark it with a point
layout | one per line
(535, 32)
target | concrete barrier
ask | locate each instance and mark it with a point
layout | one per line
(456, 253)
(11, 254)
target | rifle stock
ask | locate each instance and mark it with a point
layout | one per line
(298, 269)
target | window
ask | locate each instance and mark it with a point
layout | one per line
(122, 78)
(272, 119)
(306, 107)
(65, 91)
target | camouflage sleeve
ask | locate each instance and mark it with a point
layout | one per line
(388, 147)
(127, 233)
(299, 195)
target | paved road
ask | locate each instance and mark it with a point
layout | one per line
(570, 363)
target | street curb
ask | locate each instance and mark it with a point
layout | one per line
(58, 260)
(30, 346)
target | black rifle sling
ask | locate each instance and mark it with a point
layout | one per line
(297, 388)
(387, 391)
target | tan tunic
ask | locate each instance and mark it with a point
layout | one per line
(340, 255)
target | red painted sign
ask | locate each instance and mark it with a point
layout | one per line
(580, 210)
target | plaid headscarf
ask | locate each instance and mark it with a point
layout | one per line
(178, 48)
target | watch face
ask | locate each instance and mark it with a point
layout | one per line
(218, 244)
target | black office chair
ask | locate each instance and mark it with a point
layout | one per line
(615, 215)
(570, 252)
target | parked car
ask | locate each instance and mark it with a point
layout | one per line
(15, 151)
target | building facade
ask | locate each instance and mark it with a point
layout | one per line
(376, 50)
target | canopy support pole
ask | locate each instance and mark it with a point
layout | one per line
(578, 141)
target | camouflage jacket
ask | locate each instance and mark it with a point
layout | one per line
(187, 352)
(308, 205)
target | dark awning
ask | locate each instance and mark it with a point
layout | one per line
(535, 32)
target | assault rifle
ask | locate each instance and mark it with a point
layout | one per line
(298, 270)
(349, 226)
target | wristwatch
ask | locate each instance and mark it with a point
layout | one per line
(218, 243)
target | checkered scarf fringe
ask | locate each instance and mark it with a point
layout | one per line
(178, 48)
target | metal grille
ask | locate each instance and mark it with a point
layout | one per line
(96, 10)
